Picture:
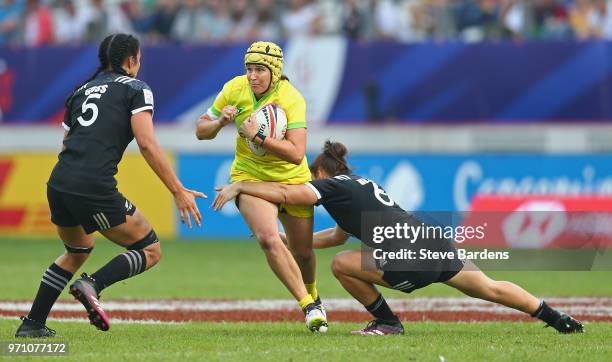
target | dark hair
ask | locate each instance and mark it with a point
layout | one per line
(112, 52)
(332, 160)
(284, 77)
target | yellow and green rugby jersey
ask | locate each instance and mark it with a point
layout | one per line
(269, 167)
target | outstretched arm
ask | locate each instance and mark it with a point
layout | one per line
(142, 127)
(329, 237)
(274, 192)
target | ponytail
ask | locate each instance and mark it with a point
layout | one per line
(112, 52)
(332, 160)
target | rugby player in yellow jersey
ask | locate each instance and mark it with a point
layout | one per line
(284, 162)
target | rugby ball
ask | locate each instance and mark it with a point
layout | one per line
(272, 122)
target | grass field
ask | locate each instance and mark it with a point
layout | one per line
(237, 270)
(290, 341)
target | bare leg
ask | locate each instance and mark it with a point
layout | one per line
(476, 284)
(356, 278)
(132, 230)
(261, 216)
(358, 275)
(54, 280)
(299, 238)
(145, 251)
(75, 237)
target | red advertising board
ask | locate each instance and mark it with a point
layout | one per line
(529, 222)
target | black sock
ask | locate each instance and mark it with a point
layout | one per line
(546, 313)
(53, 282)
(380, 309)
(121, 267)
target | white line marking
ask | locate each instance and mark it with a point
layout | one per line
(578, 305)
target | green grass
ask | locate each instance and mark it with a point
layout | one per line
(291, 341)
(237, 270)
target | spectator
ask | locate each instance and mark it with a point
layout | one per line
(478, 20)
(189, 24)
(582, 19)
(605, 8)
(550, 20)
(243, 20)
(267, 25)
(11, 12)
(331, 16)
(352, 20)
(140, 16)
(70, 23)
(514, 19)
(163, 20)
(217, 20)
(301, 18)
(411, 21)
(106, 18)
(37, 24)
(198, 21)
(387, 20)
(439, 20)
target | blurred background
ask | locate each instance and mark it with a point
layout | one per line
(450, 105)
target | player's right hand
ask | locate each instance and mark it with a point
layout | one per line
(185, 202)
(228, 114)
(224, 194)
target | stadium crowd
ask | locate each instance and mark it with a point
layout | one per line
(42, 22)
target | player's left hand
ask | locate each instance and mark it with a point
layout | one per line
(248, 128)
(224, 194)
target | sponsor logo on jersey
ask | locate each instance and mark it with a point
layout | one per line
(148, 96)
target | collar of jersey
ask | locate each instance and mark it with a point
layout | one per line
(266, 95)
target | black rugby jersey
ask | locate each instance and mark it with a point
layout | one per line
(346, 198)
(98, 122)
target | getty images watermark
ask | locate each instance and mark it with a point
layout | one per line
(492, 240)
(408, 232)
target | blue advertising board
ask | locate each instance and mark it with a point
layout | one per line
(417, 182)
(507, 82)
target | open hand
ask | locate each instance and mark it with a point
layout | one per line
(185, 202)
(224, 194)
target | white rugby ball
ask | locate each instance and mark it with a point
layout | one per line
(272, 122)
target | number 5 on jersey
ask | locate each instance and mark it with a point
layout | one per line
(87, 106)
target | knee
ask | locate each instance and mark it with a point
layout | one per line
(339, 264)
(77, 255)
(150, 246)
(268, 241)
(153, 254)
(302, 255)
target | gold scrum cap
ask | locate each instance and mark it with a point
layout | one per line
(268, 54)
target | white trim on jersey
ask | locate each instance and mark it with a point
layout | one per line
(314, 189)
(65, 126)
(124, 79)
(211, 114)
(145, 108)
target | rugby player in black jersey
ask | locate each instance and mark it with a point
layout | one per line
(346, 197)
(103, 115)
